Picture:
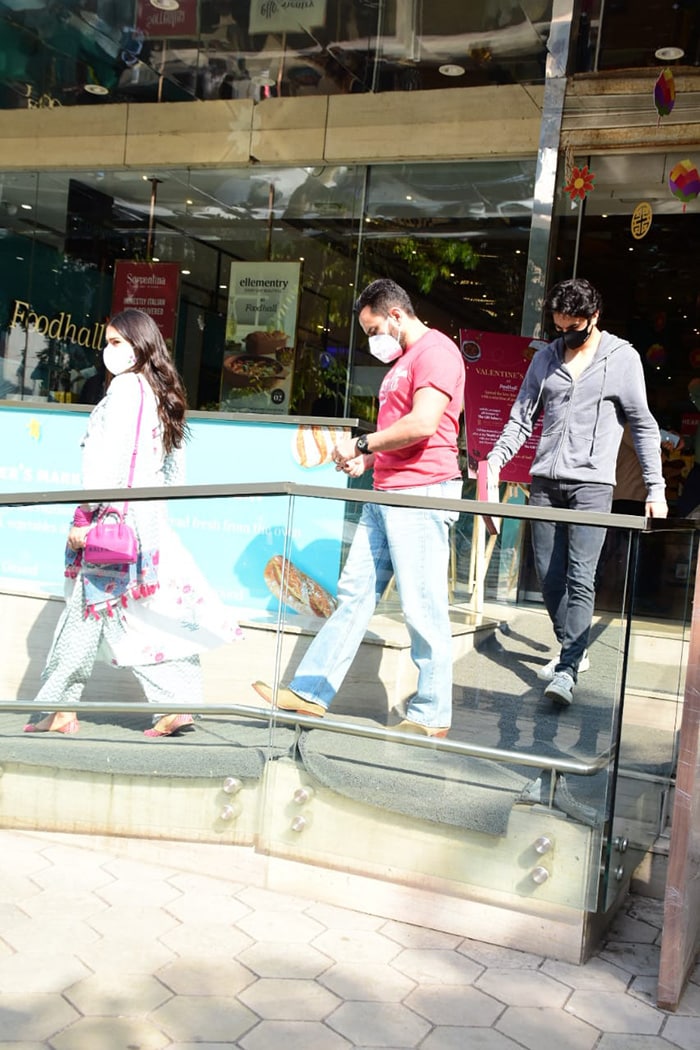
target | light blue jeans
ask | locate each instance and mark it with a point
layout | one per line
(413, 545)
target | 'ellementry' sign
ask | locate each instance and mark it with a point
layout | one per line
(285, 16)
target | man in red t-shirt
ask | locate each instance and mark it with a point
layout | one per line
(413, 451)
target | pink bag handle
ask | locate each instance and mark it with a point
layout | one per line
(136, 440)
(136, 445)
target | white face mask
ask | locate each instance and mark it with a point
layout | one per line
(119, 358)
(385, 347)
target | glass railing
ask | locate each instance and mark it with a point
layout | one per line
(524, 803)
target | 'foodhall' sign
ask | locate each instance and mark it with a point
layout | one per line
(61, 326)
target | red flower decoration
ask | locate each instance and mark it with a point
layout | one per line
(580, 183)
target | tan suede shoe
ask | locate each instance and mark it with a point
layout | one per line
(286, 700)
(415, 727)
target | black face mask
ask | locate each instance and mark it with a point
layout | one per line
(575, 340)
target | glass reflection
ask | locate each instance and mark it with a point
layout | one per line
(151, 51)
(521, 799)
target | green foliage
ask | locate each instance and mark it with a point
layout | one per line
(316, 375)
(431, 259)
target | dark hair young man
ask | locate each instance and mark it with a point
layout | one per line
(587, 383)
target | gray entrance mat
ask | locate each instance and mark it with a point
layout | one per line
(115, 744)
(436, 786)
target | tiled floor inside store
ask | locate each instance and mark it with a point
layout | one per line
(119, 944)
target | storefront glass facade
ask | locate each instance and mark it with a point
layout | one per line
(454, 234)
(71, 53)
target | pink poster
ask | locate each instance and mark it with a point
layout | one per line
(151, 287)
(495, 366)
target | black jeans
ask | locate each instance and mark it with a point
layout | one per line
(566, 557)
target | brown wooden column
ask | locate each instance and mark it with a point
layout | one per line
(681, 931)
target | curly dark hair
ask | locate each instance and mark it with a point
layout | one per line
(381, 295)
(576, 298)
(154, 362)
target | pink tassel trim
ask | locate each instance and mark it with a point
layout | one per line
(141, 591)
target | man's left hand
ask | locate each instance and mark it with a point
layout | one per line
(658, 509)
(353, 467)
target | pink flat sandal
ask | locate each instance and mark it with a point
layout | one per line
(69, 729)
(178, 723)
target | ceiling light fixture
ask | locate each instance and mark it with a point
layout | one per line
(96, 89)
(165, 5)
(669, 54)
(451, 69)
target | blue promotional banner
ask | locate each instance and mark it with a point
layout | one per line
(238, 544)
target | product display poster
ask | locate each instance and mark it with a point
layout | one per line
(151, 287)
(495, 367)
(261, 325)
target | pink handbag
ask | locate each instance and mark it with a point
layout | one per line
(113, 542)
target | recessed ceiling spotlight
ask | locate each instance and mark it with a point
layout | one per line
(451, 69)
(96, 89)
(669, 54)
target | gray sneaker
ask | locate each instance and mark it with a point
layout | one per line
(561, 688)
(546, 673)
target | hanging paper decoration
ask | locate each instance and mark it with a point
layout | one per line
(684, 181)
(640, 223)
(664, 94)
(580, 183)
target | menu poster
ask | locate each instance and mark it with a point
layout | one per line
(285, 16)
(495, 366)
(261, 325)
(161, 18)
(151, 287)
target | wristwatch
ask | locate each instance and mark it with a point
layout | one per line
(362, 445)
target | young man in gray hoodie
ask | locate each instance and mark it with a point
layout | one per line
(587, 384)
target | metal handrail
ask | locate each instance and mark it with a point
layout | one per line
(346, 495)
(333, 725)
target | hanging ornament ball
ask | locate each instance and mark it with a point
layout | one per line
(694, 391)
(665, 93)
(694, 358)
(684, 181)
(656, 354)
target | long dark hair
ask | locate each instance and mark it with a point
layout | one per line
(155, 364)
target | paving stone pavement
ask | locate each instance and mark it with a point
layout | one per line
(117, 945)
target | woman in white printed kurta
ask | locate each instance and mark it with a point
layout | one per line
(157, 615)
